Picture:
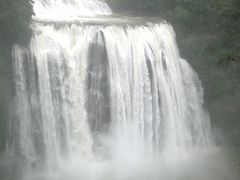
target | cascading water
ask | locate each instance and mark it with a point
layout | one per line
(69, 9)
(117, 93)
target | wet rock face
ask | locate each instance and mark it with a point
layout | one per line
(98, 92)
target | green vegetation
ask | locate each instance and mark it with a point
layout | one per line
(15, 17)
(208, 33)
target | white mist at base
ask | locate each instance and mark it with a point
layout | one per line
(107, 102)
(197, 165)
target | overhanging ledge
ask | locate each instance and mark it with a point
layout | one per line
(103, 21)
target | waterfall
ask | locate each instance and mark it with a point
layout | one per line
(102, 91)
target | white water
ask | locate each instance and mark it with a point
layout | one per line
(106, 102)
(69, 9)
